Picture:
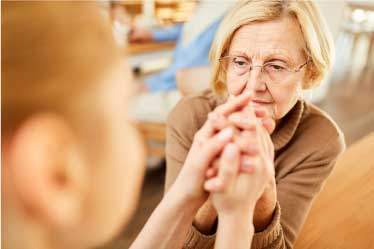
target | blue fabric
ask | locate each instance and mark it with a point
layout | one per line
(193, 55)
(167, 34)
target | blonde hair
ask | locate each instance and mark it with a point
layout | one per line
(52, 54)
(319, 43)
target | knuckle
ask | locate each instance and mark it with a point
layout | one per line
(214, 144)
(208, 147)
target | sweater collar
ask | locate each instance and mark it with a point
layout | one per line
(286, 129)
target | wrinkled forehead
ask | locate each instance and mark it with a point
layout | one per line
(281, 36)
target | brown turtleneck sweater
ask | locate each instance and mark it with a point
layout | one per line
(307, 143)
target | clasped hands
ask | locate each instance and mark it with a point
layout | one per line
(231, 159)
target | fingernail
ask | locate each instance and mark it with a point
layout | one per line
(230, 151)
(225, 134)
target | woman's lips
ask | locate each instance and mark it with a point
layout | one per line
(261, 102)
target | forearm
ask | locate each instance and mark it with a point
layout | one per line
(235, 230)
(168, 225)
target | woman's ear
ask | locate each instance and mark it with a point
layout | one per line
(48, 171)
(311, 76)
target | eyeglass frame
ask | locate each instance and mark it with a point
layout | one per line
(262, 66)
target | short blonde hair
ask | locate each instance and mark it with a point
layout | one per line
(318, 39)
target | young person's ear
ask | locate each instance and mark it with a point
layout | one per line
(48, 170)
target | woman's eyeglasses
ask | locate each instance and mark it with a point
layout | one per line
(275, 71)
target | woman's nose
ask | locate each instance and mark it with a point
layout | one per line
(255, 81)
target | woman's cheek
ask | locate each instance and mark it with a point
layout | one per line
(230, 87)
(234, 86)
(285, 100)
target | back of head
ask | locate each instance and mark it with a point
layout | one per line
(52, 52)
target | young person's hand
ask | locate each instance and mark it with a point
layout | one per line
(235, 191)
(257, 151)
(234, 196)
(226, 115)
(266, 204)
(245, 121)
(208, 143)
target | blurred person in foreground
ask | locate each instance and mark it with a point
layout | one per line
(72, 165)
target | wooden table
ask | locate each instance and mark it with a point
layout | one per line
(342, 216)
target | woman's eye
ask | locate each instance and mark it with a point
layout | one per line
(239, 62)
(276, 67)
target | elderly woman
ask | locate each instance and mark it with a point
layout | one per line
(271, 50)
